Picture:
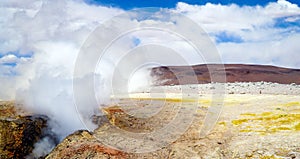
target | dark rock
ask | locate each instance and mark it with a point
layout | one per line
(18, 134)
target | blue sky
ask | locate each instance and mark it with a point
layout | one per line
(232, 27)
(33, 32)
(220, 37)
(130, 4)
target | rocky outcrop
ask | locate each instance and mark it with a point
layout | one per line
(82, 144)
(18, 134)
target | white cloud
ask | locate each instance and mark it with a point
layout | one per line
(10, 58)
(262, 42)
(282, 52)
(24, 23)
(281, 8)
(215, 17)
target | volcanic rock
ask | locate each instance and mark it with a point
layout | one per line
(18, 133)
(82, 144)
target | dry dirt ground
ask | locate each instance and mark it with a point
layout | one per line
(250, 125)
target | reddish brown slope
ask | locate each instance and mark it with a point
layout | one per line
(234, 73)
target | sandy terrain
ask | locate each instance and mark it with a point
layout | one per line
(258, 120)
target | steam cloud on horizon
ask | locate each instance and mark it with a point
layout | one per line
(40, 40)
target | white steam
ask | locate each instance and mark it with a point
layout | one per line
(43, 39)
(41, 148)
(138, 82)
(49, 34)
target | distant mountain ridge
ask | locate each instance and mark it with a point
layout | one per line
(171, 75)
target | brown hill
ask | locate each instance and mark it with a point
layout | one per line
(174, 75)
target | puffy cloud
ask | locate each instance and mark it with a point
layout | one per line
(10, 58)
(28, 23)
(215, 17)
(281, 52)
(251, 34)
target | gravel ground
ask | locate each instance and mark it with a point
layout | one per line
(234, 88)
(258, 120)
